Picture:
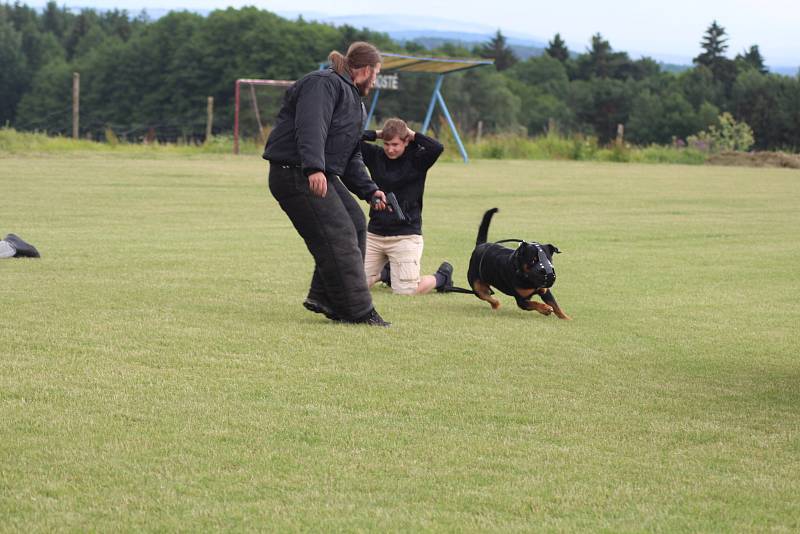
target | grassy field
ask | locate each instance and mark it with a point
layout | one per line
(159, 372)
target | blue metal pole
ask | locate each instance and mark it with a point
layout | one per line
(432, 104)
(372, 107)
(452, 127)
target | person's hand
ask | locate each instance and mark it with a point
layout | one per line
(379, 134)
(378, 201)
(318, 184)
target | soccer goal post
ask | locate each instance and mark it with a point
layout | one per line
(251, 83)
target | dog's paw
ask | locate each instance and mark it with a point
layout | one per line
(544, 309)
(495, 305)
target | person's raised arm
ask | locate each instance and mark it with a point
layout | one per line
(429, 149)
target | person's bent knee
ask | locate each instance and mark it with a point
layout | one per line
(405, 277)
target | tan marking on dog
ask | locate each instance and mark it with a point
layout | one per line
(544, 309)
(556, 308)
(484, 293)
(525, 293)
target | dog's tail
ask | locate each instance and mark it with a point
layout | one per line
(483, 230)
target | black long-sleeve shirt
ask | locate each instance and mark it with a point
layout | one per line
(405, 177)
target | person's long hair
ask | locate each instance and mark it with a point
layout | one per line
(360, 54)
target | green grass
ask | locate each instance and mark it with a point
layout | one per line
(577, 148)
(28, 143)
(550, 147)
(159, 372)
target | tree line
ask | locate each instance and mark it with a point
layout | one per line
(140, 76)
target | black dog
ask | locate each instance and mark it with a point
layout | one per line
(521, 273)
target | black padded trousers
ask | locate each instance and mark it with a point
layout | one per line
(334, 230)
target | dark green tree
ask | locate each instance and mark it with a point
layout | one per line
(55, 20)
(39, 47)
(601, 104)
(13, 70)
(541, 84)
(413, 47)
(557, 49)
(119, 24)
(80, 27)
(698, 86)
(598, 57)
(19, 15)
(645, 69)
(498, 50)
(752, 59)
(600, 61)
(451, 49)
(46, 106)
(714, 45)
(543, 71)
(657, 118)
(482, 95)
(770, 104)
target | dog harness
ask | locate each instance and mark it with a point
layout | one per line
(542, 257)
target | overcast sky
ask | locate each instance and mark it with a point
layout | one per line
(638, 26)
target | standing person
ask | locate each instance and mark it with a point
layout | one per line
(313, 147)
(401, 167)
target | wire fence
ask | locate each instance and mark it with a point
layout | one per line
(192, 129)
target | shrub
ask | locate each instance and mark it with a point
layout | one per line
(729, 136)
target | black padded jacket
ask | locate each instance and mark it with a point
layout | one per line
(319, 128)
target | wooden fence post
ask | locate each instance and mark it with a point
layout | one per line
(76, 103)
(210, 118)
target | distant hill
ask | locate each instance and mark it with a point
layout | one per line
(786, 71)
(523, 49)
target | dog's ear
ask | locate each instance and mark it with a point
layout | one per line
(520, 255)
(552, 249)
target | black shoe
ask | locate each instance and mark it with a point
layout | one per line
(320, 307)
(386, 275)
(372, 319)
(24, 249)
(445, 270)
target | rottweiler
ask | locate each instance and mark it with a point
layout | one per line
(521, 273)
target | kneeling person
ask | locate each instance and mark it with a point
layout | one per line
(400, 167)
